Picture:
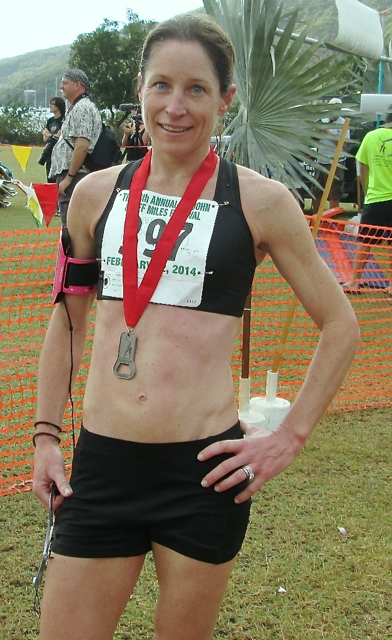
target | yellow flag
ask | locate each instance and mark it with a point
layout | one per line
(22, 154)
(34, 206)
(32, 201)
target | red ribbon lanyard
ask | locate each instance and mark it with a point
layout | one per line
(137, 298)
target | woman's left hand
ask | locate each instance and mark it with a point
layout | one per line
(266, 453)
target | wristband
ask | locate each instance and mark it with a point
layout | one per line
(71, 175)
(44, 433)
(51, 424)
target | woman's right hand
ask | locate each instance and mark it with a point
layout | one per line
(49, 469)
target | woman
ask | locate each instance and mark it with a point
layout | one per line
(135, 137)
(161, 462)
(52, 131)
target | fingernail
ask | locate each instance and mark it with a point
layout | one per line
(217, 488)
(204, 483)
(67, 491)
(200, 456)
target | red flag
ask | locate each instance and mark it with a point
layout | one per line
(47, 194)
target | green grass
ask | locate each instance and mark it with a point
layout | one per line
(338, 585)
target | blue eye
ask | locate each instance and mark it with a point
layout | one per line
(197, 89)
(161, 85)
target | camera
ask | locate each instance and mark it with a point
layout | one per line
(128, 107)
(137, 119)
(47, 150)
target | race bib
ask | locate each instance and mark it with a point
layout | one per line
(182, 280)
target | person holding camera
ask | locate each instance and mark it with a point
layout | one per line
(79, 134)
(52, 132)
(136, 137)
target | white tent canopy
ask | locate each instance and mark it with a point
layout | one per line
(376, 103)
(360, 30)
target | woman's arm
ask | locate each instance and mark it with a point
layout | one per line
(62, 353)
(67, 328)
(279, 229)
(129, 130)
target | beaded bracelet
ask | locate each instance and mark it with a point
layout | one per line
(51, 424)
(44, 433)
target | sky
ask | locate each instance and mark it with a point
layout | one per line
(43, 24)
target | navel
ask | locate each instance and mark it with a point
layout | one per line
(142, 398)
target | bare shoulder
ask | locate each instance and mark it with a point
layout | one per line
(92, 194)
(268, 206)
(96, 186)
(87, 204)
(280, 229)
(255, 189)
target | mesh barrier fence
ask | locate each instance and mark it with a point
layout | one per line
(27, 263)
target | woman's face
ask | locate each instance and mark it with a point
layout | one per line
(181, 97)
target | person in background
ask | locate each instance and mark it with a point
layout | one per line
(327, 147)
(135, 137)
(162, 463)
(374, 157)
(79, 134)
(52, 130)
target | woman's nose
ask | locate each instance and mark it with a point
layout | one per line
(176, 104)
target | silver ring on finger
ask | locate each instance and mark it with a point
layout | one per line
(249, 473)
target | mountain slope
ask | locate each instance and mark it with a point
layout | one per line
(40, 70)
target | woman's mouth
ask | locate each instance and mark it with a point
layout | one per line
(173, 129)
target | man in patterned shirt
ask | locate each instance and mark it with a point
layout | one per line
(79, 135)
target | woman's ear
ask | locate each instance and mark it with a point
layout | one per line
(227, 99)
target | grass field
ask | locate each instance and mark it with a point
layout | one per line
(337, 585)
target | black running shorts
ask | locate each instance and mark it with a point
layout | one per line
(127, 495)
(376, 214)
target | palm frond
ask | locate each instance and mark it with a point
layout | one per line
(280, 82)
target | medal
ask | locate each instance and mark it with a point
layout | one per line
(126, 357)
(136, 298)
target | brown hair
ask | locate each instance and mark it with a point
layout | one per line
(60, 104)
(200, 29)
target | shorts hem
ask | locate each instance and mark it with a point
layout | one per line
(182, 549)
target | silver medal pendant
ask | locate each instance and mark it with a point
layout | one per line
(124, 366)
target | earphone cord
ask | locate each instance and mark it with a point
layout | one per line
(70, 378)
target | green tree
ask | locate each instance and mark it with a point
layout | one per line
(21, 125)
(281, 85)
(110, 58)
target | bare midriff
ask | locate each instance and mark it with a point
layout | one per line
(183, 388)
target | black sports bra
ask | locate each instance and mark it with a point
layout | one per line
(231, 261)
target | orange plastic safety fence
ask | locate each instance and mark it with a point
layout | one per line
(27, 261)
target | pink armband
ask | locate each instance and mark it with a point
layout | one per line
(74, 276)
